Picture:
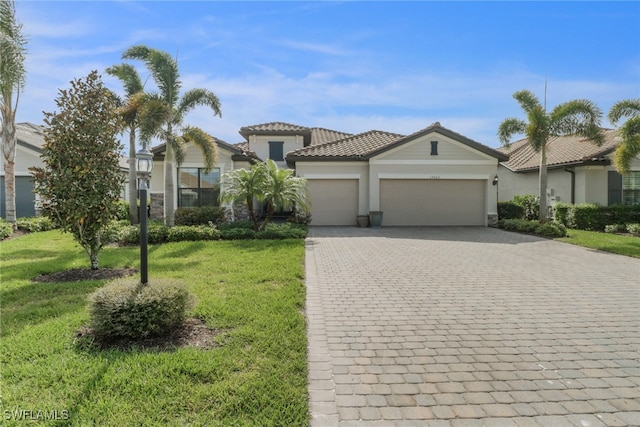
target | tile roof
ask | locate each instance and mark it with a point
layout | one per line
(274, 128)
(321, 135)
(355, 147)
(562, 151)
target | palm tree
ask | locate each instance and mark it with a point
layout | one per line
(265, 182)
(12, 78)
(283, 189)
(577, 117)
(164, 114)
(130, 110)
(629, 131)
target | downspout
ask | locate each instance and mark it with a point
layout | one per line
(573, 184)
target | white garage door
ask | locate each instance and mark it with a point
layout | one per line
(432, 202)
(333, 201)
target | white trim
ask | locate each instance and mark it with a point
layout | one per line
(332, 176)
(431, 176)
(434, 162)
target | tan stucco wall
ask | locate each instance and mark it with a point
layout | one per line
(420, 149)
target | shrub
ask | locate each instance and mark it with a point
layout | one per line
(283, 231)
(562, 213)
(35, 224)
(124, 308)
(634, 228)
(6, 229)
(531, 206)
(201, 215)
(510, 210)
(521, 225)
(122, 211)
(551, 229)
(238, 233)
(180, 233)
(586, 216)
(615, 228)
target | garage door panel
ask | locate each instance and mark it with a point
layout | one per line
(333, 201)
(433, 202)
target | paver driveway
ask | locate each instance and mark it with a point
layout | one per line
(469, 327)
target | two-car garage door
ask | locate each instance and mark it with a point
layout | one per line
(433, 202)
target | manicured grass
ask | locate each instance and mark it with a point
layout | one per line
(617, 244)
(251, 289)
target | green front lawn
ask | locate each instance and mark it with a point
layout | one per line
(618, 244)
(252, 290)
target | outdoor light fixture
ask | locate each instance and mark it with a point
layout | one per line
(495, 180)
(144, 165)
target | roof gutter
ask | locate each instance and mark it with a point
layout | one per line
(573, 184)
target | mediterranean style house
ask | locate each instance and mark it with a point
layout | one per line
(434, 176)
(578, 171)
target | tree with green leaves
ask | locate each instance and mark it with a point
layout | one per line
(629, 132)
(276, 188)
(577, 117)
(131, 108)
(12, 80)
(165, 113)
(81, 180)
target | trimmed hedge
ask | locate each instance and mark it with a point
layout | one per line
(35, 224)
(124, 308)
(510, 210)
(589, 216)
(6, 229)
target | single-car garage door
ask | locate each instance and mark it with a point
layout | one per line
(333, 201)
(432, 202)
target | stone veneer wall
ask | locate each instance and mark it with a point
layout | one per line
(157, 206)
(241, 212)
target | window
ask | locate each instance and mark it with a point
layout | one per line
(631, 188)
(434, 148)
(198, 188)
(276, 151)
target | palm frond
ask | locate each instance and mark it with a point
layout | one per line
(510, 127)
(626, 108)
(577, 117)
(202, 140)
(12, 53)
(152, 115)
(163, 68)
(129, 77)
(176, 144)
(199, 97)
(527, 100)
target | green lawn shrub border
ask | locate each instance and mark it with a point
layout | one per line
(547, 229)
(592, 217)
(204, 215)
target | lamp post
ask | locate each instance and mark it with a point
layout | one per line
(144, 165)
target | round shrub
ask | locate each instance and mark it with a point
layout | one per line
(615, 228)
(510, 210)
(551, 229)
(181, 233)
(35, 224)
(201, 215)
(124, 308)
(634, 228)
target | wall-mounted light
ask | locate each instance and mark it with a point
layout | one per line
(495, 180)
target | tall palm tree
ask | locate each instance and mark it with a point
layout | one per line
(629, 131)
(577, 117)
(130, 109)
(164, 115)
(12, 79)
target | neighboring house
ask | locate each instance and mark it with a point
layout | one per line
(432, 177)
(578, 172)
(30, 140)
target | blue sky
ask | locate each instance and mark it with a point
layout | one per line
(349, 66)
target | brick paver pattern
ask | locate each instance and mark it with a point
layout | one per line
(469, 326)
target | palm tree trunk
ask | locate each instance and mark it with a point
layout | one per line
(543, 184)
(133, 188)
(8, 139)
(168, 187)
